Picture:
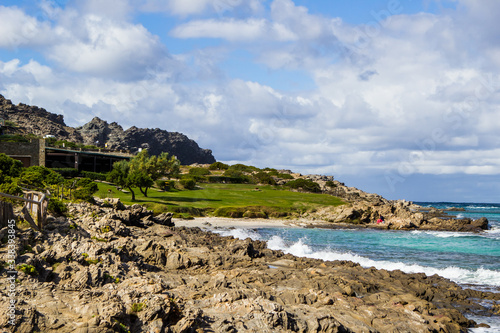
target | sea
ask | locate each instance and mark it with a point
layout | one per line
(470, 259)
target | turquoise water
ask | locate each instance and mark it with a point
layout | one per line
(469, 259)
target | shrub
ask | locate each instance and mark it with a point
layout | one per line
(218, 166)
(28, 269)
(236, 174)
(94, 175)
(40, 176)
(331, 184)
(188, 183)
(85, 189)
(165, 185)
(264, 178)
(227, 180)
(67, 172)
(56, 206)
(199, 171)
(137, 307)
(304, 184)
(243, 168)
(9, 166)
(285, 176)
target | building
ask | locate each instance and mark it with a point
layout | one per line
(36, 153)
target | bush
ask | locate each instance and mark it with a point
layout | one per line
(226, 180)
(199, 172)
(9, 166)
(243, 168)
(285, 176)
(28, 269)
(188, 183)
(85, 189)
(10, 186)
(330, 184)
(67, 172)
(165, 185)
(236, 174)
(56, 206)
(40, 176)
(94, 175)
(264, 178)
(304, 184)
(218, 166)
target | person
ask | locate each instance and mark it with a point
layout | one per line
(380, 219)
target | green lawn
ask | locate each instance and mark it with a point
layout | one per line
(231, 200)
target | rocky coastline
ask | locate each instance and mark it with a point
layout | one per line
(362, 210)
(112, 268)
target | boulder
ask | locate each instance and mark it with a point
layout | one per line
(481, 223)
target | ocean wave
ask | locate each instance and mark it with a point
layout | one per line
(241, 233)
(444, 234)
(493, 233)
(482, 207)
(457, 274)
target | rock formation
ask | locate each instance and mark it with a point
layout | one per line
(111, 268)
(155, 140)
(364, 209)
(38, 121)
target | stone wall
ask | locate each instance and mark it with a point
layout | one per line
(30, 153)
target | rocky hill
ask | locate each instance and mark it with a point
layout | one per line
(40, 122)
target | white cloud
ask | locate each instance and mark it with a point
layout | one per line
(413, 96)
(234, 30)
(198, 7)
(20, 30)
(108, 48)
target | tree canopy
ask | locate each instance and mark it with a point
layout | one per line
(143, 170)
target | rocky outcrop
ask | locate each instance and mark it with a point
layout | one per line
(363, 209)
(155, 140)
(111, 268)
(38, 121)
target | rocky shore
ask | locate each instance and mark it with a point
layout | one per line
(111, 268)
(363, 209)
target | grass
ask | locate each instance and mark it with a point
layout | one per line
(219, 199)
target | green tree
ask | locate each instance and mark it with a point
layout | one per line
(147, 169)
(121, 176)
(143, 170)
(142, 167)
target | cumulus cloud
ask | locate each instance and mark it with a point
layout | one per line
(400, 96)
(21, 30)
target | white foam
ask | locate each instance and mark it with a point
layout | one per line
(240, 233)
(459, 275)
(444, 234)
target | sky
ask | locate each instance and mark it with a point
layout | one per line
(395, 97)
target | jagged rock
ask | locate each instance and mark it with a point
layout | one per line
(481, 223)
(91, 279)
(38, 121)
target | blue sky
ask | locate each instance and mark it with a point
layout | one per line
(397, 97)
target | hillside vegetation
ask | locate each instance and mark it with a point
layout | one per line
(227, 200)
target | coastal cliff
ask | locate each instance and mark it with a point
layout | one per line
(112, 268)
